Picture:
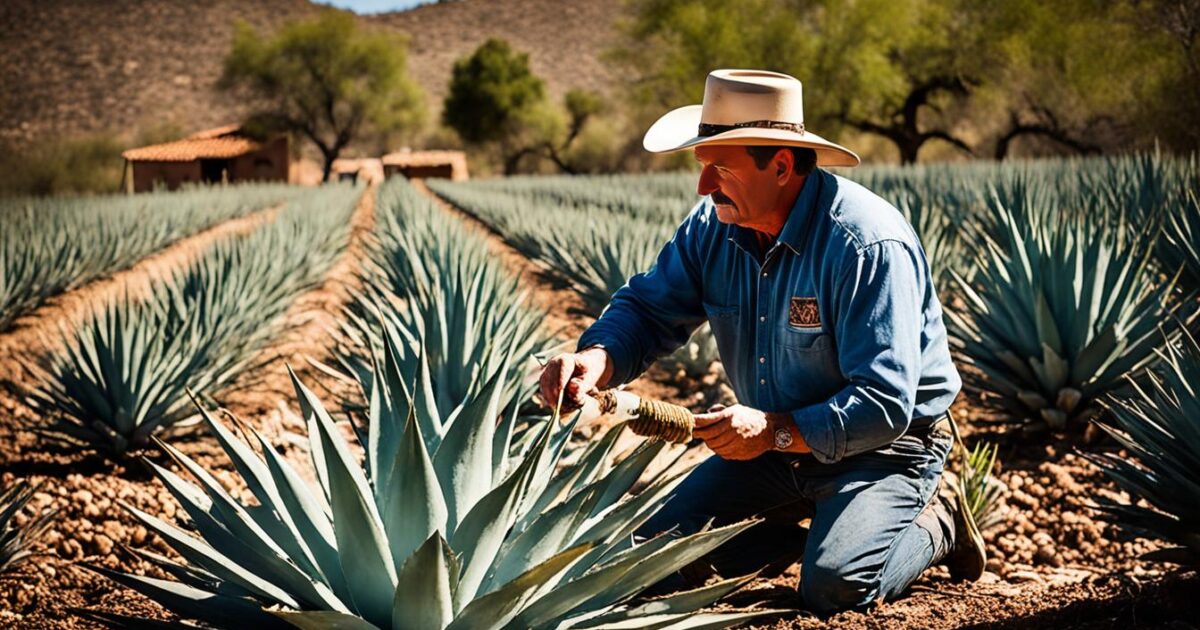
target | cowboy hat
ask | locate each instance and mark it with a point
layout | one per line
(745, 107)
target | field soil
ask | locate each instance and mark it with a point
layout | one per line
(1052, 563)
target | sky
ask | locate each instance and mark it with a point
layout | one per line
(374, 6)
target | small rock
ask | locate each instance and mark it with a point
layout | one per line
(1020, 577)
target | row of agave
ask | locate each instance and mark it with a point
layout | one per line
(450, 520)
(593, 244)
(122, 373)
(447, 298)
(54, 245)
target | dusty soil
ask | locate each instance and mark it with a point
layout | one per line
(1052, 563)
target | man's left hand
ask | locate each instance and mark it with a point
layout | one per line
(737, 432)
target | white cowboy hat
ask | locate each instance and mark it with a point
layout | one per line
(745, 107)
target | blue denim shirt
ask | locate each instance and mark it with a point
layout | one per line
(838, 325)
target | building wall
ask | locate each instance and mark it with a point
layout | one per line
(169, 174)
(267, 164)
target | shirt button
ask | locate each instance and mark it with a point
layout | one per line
(762, 359)
(762, 381)
(764, 274)
(762, 318)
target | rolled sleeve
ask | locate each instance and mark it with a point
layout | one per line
(656, 311)
(878, 325)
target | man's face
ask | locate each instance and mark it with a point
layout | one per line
(744, 195)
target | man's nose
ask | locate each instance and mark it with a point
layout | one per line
(707, 184)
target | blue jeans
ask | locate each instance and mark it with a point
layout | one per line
(865, 541)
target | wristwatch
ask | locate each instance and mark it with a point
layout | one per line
(783, 438)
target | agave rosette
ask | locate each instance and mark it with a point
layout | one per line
(446, 524)
(1062, 308)
(1159, 425)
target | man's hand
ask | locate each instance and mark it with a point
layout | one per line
(579, 373)
(740, 433)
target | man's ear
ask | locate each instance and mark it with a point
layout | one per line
(784, 165)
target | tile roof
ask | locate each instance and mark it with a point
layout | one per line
(217, 143)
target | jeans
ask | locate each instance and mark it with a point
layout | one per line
(865, 541)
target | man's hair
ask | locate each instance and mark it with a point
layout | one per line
(804, 160)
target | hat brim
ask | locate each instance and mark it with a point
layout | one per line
(676, 131)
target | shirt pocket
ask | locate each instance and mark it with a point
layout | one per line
(805, 367)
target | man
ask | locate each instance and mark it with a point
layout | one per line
(829, 327)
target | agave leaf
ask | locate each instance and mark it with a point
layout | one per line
(464, 458)
(322, 620)
(552, 531)
(676, 604)
(362, 541)
(416, 507)
(481, 532)
(202, 554)
(497, 608)
(230, 612)
(423, 596)
(563, 599)
(689, 620)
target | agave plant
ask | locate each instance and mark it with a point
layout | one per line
(447, 524)
(16, 541)
(698, 355)
(1063, 307)
(436, 288)
(1159, 426)
(123, 372)
(984, 492)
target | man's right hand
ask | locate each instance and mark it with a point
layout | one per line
(579, 373)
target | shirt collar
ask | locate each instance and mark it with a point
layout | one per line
(796, 226)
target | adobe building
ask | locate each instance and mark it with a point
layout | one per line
(217, 155)
(434, 164)
(357, 170)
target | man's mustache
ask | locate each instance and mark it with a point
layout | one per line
(722, 200)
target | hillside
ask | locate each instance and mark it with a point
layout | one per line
(74, 66)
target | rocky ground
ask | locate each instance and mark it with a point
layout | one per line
(1053, 563)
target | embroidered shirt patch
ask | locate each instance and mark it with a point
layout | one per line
(802, 313)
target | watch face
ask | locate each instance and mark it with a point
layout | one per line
(783, 438)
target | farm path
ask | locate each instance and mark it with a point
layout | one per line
(261, 394)
(39, 331)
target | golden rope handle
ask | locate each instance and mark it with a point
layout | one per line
(653, 418)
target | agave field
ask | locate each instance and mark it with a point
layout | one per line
(405, 476)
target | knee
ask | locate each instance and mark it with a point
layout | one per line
(828, 589)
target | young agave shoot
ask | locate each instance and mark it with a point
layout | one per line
(649, 418)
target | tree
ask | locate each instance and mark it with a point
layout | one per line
(325, 79)
(884, 67)
(495, 98)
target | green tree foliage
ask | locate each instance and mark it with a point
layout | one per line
(325, 79)
(494, 98)
(1080, 76)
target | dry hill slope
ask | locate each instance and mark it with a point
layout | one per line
(77, 66)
